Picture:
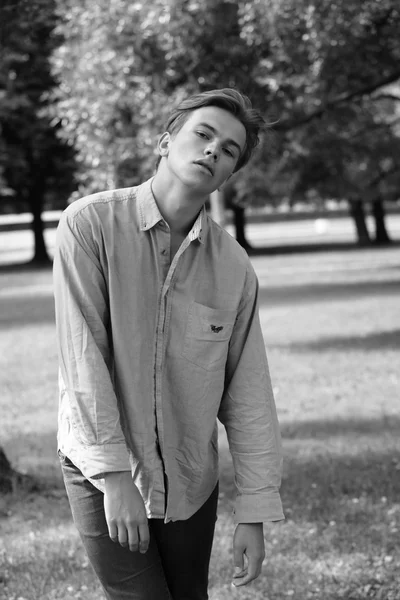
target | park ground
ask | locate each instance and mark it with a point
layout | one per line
(331, 322)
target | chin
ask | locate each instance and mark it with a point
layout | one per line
(198, 183)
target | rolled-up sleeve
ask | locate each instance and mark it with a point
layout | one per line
(249, 415)
(82, 322)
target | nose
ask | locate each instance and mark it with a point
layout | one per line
(212, 150)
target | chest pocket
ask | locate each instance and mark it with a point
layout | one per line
(207, 336)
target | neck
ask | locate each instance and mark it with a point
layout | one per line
(178, 204)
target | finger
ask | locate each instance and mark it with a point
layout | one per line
(241, 573)
(244, 580)
(238, 557)
(133, 539)
(144, 537)
(253, 571)
(112, 531)
(123, 537)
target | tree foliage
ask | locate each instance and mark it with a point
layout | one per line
(332, 59)
(315, 67)
(36, 165)
(123, 66)
(326, 73)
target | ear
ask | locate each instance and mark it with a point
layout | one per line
(163, 143)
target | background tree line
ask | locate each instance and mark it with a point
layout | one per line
(85, 89)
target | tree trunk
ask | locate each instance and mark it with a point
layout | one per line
(8, 476)
(40, 256)
(378, 212)
(11, 480)
(357, 211)
(239, 222)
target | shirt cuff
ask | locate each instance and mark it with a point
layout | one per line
(105, 458)
(258, 508)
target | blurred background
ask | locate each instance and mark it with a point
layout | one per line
(85, 87)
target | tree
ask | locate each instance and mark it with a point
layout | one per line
(315, 67)
(10, 479)
(349, 156)
(37, 166)
(119, 82)
(123, 65)
(337, 137)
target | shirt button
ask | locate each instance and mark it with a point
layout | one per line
(164, 251)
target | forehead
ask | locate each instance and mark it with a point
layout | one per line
(226, 124)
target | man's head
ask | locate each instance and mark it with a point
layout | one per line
(230, 100)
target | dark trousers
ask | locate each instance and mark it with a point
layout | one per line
(175, 567)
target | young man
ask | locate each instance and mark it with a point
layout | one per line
(158, 331)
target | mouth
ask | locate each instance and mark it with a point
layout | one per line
(205, 165)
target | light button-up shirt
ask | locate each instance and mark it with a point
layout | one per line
(153, 351)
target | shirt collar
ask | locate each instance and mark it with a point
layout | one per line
(149, 214)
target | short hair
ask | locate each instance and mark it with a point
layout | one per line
(230, 100)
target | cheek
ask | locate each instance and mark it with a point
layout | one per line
(185, 149)
(227, 167)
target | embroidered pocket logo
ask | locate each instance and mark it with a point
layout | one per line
(216, 329)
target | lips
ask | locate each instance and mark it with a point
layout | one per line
(205, 164)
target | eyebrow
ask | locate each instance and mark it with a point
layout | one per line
(228, 141)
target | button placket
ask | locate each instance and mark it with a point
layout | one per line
(162, 330)
(163, 242)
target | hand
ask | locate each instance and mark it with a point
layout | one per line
(248, 541)
(125, 512)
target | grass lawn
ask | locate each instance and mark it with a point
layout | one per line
(331, 323)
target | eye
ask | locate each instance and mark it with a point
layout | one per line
(202, 135)
(228, 152)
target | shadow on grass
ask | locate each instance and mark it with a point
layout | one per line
(34, 456)
(316, 247)
(22, 310)
(384, 340)
(326, 292)
(17, 311)
(321, 482)
(315, 488)
(310, 248)
(320, 429)
(321, 475)
(28, 267)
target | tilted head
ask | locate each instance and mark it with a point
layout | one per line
(232, 101)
